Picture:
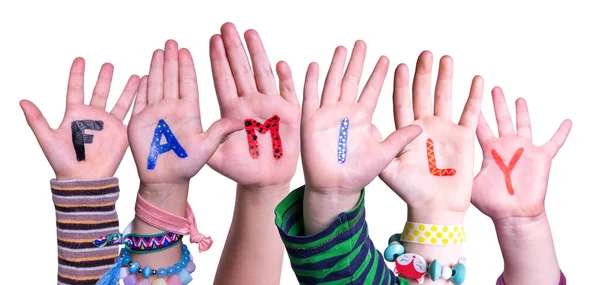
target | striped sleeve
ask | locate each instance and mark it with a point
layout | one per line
(85, 210)
(562, 281)
(341, 254)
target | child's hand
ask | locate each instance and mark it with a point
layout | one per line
(166, 136)
(514, 173)
(342, 151)
(90, 142)
(266, 153)
(434, 173)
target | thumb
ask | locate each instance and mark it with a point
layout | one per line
(397, 140)
(36, 121)
(219, 130)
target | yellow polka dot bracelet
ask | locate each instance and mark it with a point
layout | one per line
(433, 234)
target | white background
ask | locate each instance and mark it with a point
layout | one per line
(546, 52)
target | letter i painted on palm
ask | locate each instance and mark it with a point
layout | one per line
(343, 140)
(156, 149)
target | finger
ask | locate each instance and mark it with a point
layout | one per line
(222, 75)
(263, 74)
(286, 83)
(373, 87)
(422, 86)
(505, 124)
(523, 122)
(188, 81)
(218, 131)
(470, 114)
(442, 105)
(36, 122)
(483, 131)
(397, 140)
(124, 103)
(558, 139)
(403, 111)
(155, 77)
(141, 97)
(310, 102)
(75, 86)
(333, 81)
(238, 61)
(171, 70)
(102, 88)
(351, 79)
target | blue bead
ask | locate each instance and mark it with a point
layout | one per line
(161, 272)
(185, 277)
(147, 272)
(434, 270)
(170, 271)
(394, 237)
(125, 260)
(459, 274)
(183, 263)
(133, 268)
(186, 258)
(393, 251)
(125, 252)
(177, 267)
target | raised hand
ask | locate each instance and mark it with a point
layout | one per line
(266, 154)
(435, 171)
(342, 151)
(90, 142)
(514, 173)
(165, 132)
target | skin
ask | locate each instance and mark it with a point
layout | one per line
(170, 92)
(331, 187)
(104, 155)
(520, 220)
(433, 199)
(246, 92)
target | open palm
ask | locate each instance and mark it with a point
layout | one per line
(341, 155)
(520, 192)
(434, 171)
(254, 158)
(101, 154)
(167, 112)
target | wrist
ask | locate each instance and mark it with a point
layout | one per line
(435, 216)
(321, 208)
(82, 176)
(170, 197)
(521, 228)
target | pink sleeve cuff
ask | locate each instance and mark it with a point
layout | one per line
(563, 280)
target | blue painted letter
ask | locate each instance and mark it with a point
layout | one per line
(157, 149)
(343, 140)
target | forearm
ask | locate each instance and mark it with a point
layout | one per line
(528, 251)
(447, 255)
(321, 208)
(85, 211)
(253, 251)
(171, 198)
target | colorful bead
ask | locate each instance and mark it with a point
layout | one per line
(394, 250)
(185, 277)
(147, 272)
(459, 274)
(412, 266)
(130, 280)
(446, 273)
(133, 267)
(144, 282)
(161, 272)
(191, 267)
(124, 272)
(434, 270)
(174, 280)
(394, 237)
(160, 281)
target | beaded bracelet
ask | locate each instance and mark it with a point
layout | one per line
(179, 271)
(414, 266)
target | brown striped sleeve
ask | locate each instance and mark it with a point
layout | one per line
(85, 210)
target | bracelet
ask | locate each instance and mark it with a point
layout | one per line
(433, 234)
(178, 273)
(414, 266)
(141, 244)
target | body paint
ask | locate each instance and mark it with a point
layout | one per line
(156, 149)
(343, 140)
(80, 137)
(508, 170)
(270, 125)
(432, 164)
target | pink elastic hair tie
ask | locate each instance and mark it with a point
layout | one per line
(172, 223)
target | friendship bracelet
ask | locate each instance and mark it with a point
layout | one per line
(414, 266)
(141, 244)
(433, 234)
(168, 222)
(179, 273)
